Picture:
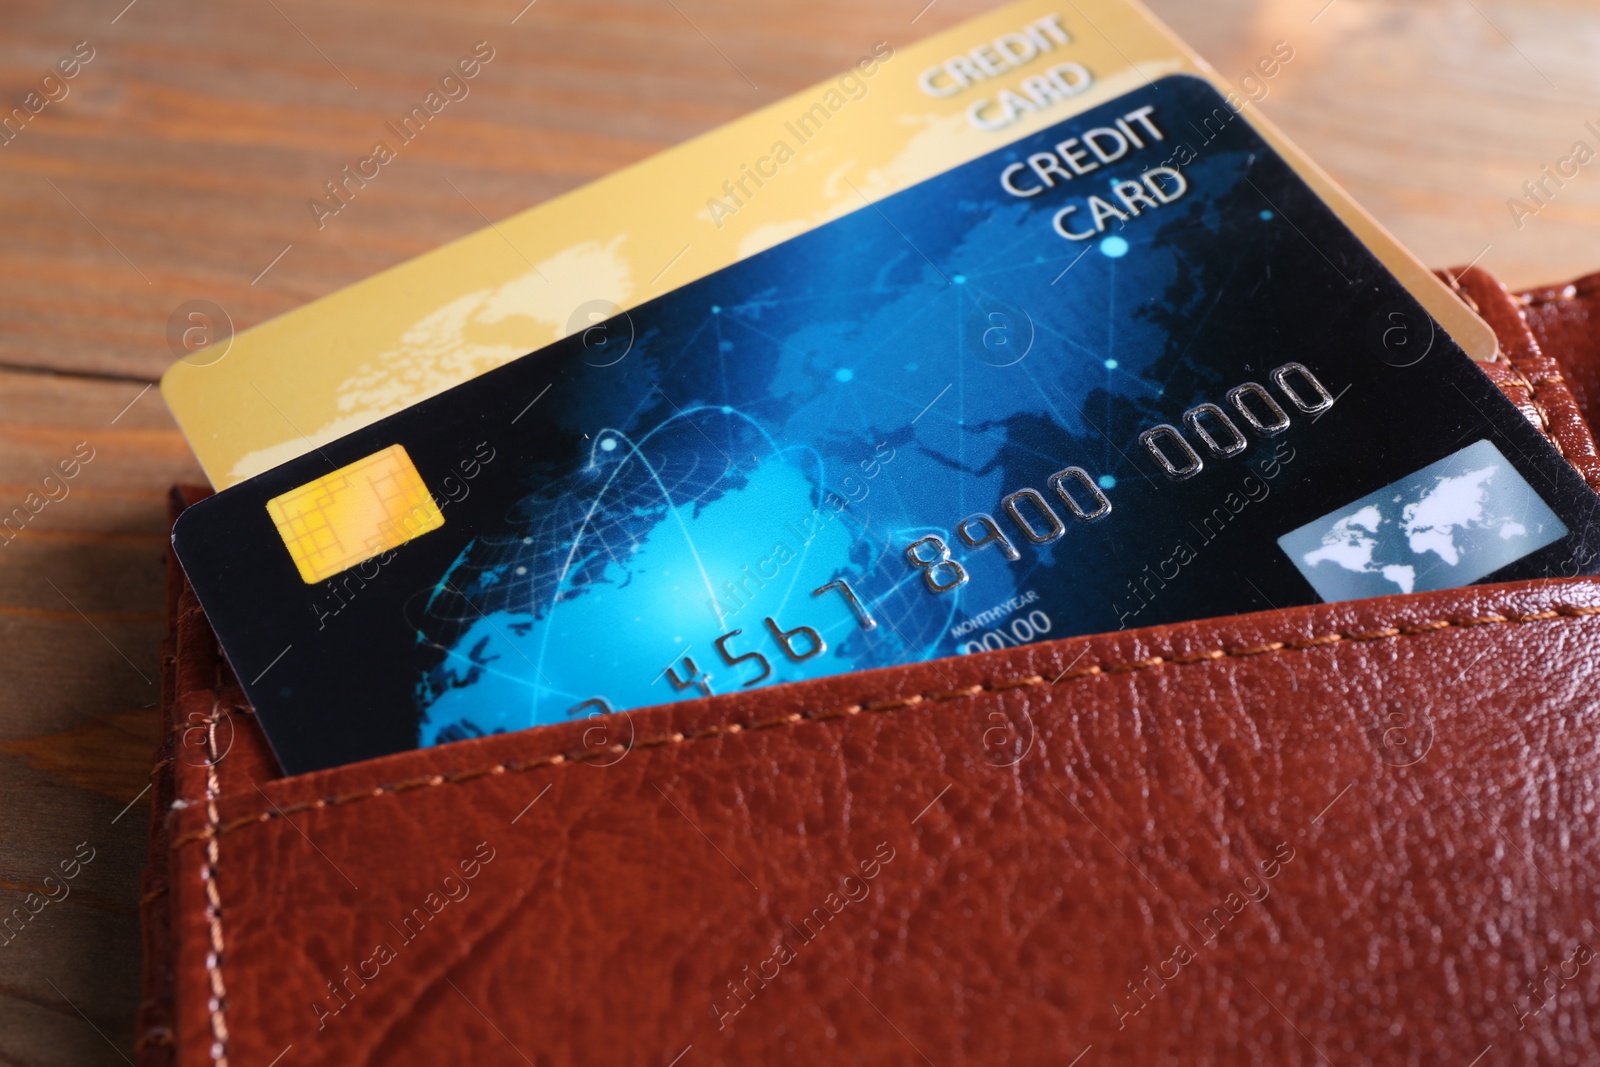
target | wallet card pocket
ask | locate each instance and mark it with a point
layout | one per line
(1002, 858)
(1336, 831)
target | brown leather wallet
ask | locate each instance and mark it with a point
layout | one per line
(1355, 832)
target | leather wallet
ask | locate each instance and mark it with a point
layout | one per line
(1352, 832)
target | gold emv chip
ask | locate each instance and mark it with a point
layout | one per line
(354, 513)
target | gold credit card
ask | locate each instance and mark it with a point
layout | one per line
(901, 115)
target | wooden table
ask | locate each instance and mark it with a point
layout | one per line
(179, 165)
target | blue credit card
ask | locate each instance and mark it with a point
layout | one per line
(1128, 371)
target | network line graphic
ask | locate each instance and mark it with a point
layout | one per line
(802, 417)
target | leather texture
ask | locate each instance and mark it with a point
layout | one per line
(1549, 357)
(1357, 832)
(1567, 319)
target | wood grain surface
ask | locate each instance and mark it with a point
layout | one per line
(178, 168)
